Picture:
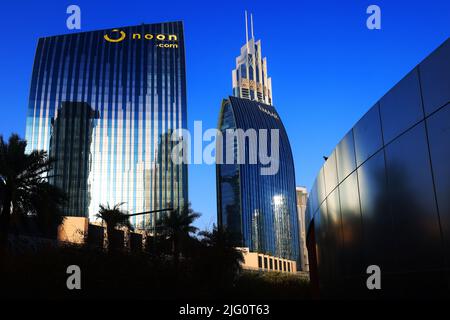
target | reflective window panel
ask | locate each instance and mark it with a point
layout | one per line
(435, 79)
(351, 225)
(331, 179)
(378, 235)
(335, 236)
(439, 139)
(345, 154)
(367, 133)
(412, 201)
(401, 107)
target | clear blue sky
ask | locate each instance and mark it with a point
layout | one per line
(327, 68)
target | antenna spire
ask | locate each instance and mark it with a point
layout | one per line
(251, 24)
(246, 29)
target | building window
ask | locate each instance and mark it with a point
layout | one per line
(259, 262)
(284, 265)
(289, 267)
(281, 268)
(276, 264)
(271, 264)
(265, 262)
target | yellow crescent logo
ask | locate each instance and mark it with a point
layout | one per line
(122, 36)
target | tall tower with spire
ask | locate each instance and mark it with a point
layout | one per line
(250, 80)
(257, 209)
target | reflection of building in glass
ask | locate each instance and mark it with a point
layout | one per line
(382, 197)
(137, 87)
(167, 177)
(70, 145)
(282, 228)
(258, 210)
(250, 80)
(302, 196)
(256, 227)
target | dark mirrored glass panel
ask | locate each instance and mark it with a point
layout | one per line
(321, 192)
(378, 235)
(401, 107)
(313, 198)
(412, 201)
(308, 212)
(435, 79)
(439, 139)
(331, 179)
(351, 225)
(334, 229)
(367, 133)
(321, 224)
(345, 154)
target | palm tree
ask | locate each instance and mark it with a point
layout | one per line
(113, 218)
(221, 251)
(44, 209)
(177, 227)
(24, 186)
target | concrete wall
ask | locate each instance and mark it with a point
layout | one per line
(264, 262)
(73, 230)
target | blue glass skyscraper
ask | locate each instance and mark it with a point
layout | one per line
(258, 210)
(133, 79)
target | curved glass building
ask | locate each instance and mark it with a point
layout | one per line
(103, 103)
(383, 196)
(258, 209)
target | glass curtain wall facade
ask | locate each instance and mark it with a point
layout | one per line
(382, 197)
(133, 78)
(258, 210)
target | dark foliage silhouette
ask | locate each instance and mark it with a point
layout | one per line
(25, 190)
(113, 218)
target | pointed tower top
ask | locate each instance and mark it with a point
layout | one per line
(249, 78)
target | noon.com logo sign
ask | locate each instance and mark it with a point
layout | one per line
(117, 35)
